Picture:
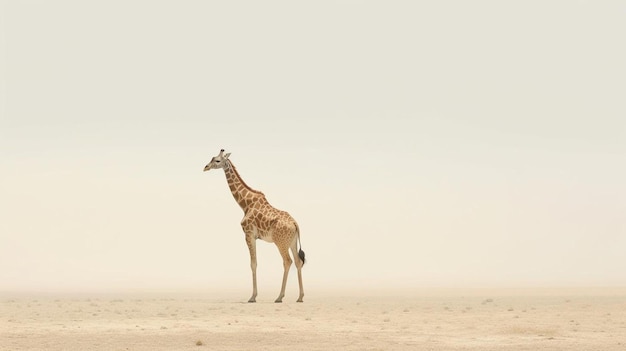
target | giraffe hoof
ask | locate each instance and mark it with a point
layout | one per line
(299, 300)
(278, 301)
(251, 301)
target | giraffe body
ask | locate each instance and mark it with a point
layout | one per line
(262, 221)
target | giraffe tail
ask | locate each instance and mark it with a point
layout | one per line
(300, 252)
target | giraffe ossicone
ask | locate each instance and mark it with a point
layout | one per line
(262, 221)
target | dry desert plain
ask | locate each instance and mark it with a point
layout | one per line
(444, 319)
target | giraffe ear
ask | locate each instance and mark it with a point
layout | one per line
(226, 155)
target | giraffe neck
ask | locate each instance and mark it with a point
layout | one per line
(240, 190)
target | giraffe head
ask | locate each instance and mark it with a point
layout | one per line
(218, 161)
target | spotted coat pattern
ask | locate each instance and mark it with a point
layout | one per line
(262, 221)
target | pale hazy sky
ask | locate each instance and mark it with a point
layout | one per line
(440, 143)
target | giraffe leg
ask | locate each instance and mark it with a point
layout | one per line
(299, 264)
(284, 252)
(250, 240)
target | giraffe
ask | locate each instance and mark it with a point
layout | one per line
(262, 221)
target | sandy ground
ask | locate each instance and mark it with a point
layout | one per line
(581, 319)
